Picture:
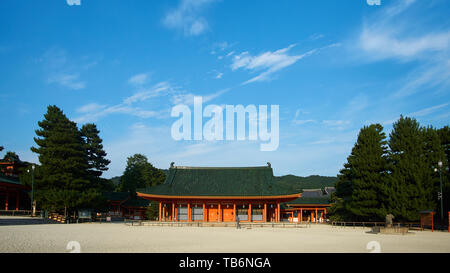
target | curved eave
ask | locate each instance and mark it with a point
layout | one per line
(308, 205)
(285, 198)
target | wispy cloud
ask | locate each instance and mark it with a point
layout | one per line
(188, 99)
(269, 62)
(138, 79)
(187, 17)
(92, 112)
(72, 81)
(61, 70)
(154, 91)
(429, 110)
(397, 33)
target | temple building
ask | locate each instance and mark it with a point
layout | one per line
(219, 194)
(13, 195)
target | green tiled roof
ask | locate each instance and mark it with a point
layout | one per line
(10, 180)
(310, 200)
(219, 181)
(138, 202)
(115, 196)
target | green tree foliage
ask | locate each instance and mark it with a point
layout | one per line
(11, 157)
(400, 180)
(444, 136)
(152, 212)
(362, 181)
(139, 173)
(63, 182)
(97, 162)
(96, 155)
(411, 187)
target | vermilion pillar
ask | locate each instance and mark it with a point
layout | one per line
(173, 212)
(265, 213)
(189, 212)
(160, 212)
(249, 212)
(220, 213)
(316, 216)
(235, 213)
(204, 212)
(279, 212)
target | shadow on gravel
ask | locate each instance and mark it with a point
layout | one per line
(24, 221)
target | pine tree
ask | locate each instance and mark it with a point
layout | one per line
(410, 187)
(362, 182)
(94, 148)
(96, 157)
(64, 163)
(139, 173)
(444, 135)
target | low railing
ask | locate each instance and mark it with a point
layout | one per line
(132, 222)
(16, 213)
(410, 225)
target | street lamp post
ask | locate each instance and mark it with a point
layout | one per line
(32, 190)
(442, 193)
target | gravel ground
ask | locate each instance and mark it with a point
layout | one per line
(118, 237)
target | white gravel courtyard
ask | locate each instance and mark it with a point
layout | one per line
(118, 237)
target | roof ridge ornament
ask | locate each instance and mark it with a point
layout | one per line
(269, 165)
(172, 164)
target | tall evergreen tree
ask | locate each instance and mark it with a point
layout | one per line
(96, 155)
(139, 173)
(362, 182)
(410, 186)
(444, 136)
(64, 182)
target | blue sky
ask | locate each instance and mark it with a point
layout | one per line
(331, 66)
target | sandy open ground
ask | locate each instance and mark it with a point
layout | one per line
(118, 237)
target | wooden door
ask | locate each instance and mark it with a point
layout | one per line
(228, 213)
(213, 213)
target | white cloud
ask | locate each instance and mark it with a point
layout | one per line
(71, 81)
(93, 111)
(155, 91)
(393, 33)
(62, 70)
(428, 110)
(397, 32)
(138, 79)
(269, 62)
(385, 44)
(91, 107)
(188, 99)
(187, 17)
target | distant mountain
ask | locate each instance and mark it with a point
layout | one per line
(308, 182)
(115, 180)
